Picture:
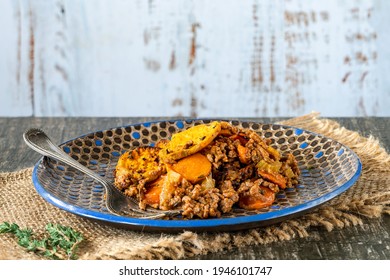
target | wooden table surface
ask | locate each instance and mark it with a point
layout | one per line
(369, 241)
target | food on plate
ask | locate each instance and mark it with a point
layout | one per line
(189, 141)
(139, 165)
(194, 168)
(207, 170)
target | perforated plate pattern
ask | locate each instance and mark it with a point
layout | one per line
(328, 168)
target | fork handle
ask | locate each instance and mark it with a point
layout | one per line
(38, 140)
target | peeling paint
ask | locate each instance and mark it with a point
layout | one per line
(177, 102)
(307, 38)
(151, 6)
(19, 46)
(61, 51)
(203, 105)
(152, 65)
(172, 63)
(361, 58)
(271, 58)
(346, 77)
(31, 59)
(297, 101)
(281, 57)
(42, 79)
(362, 107)
(347, 60)
(193, 106)
(298, 18)
(193, 44)
(256, 63)
(363, 77)
(62, 8)
(359, 36)
(62, 71)
(146, 37)
(151, 33)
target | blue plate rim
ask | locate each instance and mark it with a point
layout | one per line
(196, 224)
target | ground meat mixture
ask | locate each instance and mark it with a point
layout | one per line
(243, 166)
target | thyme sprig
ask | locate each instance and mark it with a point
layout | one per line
(61, 243)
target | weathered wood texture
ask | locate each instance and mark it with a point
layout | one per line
(224, 58)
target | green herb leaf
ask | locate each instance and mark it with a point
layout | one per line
(62, 242)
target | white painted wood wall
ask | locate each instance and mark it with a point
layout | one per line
(199, 58)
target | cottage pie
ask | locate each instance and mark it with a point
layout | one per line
(206, 170)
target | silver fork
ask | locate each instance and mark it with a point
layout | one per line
(116, 202)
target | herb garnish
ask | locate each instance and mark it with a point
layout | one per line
(62, 242)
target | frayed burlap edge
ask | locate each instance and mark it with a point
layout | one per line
(348, 209)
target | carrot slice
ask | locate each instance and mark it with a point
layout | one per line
(243, 140)
(225, 132)
(274, 178)
(242, 154)
(194, 168)
(265, 199)
(152, 194)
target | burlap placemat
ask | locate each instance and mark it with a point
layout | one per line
(369, 197)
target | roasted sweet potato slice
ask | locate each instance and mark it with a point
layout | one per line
(194, 168)
(190, 141)
(139, 164)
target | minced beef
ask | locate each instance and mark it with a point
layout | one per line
(232, 178)
(233, 174)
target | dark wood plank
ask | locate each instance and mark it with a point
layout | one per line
(370, 241)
